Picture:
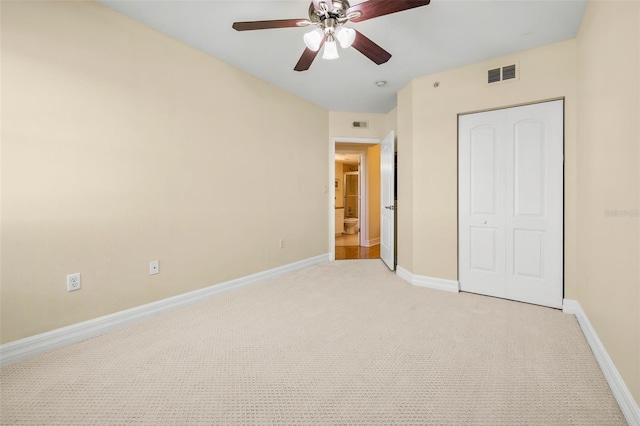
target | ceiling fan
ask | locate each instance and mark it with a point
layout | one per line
(329, 16)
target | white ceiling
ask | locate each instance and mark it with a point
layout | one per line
(443, 35)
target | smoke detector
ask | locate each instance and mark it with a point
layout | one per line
(381, 83)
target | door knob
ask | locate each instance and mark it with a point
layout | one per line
(390, 207)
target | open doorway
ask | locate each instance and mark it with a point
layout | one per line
(356, 191)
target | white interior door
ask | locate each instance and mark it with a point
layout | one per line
(387, 200)
(511, 203)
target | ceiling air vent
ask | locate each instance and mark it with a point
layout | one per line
(507, 72)
(493, 75)
(360, 124)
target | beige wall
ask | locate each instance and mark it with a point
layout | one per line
(404, 195)
(431, 113)
(391, 121)
(608, 180)
(350, 167)
(120, 146)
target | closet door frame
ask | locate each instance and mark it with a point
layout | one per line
(519, 247)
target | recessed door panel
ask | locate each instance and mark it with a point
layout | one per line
(529, 168)
(386, 226)
(483, 170)
(482, 250)
(528, 253)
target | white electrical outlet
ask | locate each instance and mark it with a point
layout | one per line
(281, 243)
(73, 282)
(154, 267)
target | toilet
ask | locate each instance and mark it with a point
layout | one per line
(350, 225)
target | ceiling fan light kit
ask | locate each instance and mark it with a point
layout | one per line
(329, 16)
(313, 39)
(346, 36)
(330, 48)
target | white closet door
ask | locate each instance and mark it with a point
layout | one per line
(511, 203)
(482, 203)
(535, 203)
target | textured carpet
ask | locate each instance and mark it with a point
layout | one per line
(339, 343)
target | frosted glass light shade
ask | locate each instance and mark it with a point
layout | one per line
(313, 39)
(346, 36)
(330, 50)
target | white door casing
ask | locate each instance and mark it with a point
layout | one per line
(387, 200)
(511, 203)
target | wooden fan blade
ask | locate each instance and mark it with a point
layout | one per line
(374, 8)
(329, 3)
(266, 25)
(305, 61)
(369, 49)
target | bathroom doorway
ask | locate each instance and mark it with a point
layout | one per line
(356, 200)
(348, 199)
(351, 202)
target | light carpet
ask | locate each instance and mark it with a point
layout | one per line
(338, 343)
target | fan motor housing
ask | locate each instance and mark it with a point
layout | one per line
(339, 11)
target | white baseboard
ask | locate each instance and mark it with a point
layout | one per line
(372, 242)
(621, 392)
(40, 343)
(429, 282)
